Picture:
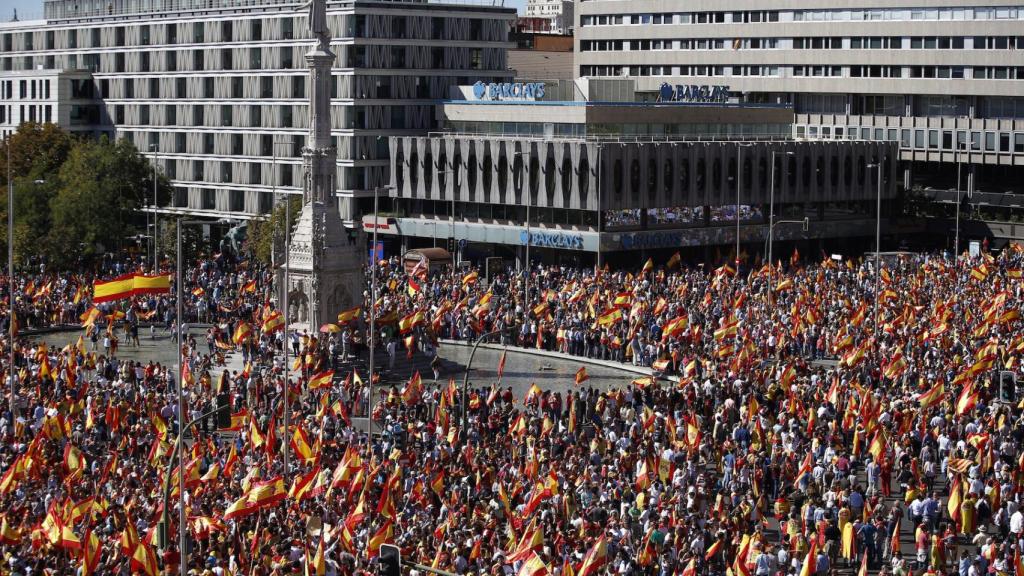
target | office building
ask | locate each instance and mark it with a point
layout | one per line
(945, 81)
(216, 89)
(558, 14)
(572, 169)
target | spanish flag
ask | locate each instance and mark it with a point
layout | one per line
(242, 332)
(9, 536)
(932, 397)
(595, 558)
(609, 317)
(321, 380)
(273, 322)
(144, 559)
(303, 483)
(581, 375)
(413, 288)
(533, 566)
(810, 565)
(383, 535)
(349, 315)
(129, 285)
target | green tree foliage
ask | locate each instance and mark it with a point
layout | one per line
(74, 198)
(267, 234)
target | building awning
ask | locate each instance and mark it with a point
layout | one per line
(433, 255)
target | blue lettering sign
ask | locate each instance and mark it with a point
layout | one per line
(693, 93)
(552, 240)
(652, 240)
(508, 91)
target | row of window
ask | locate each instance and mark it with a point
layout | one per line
(922, 138)
(15, 115)
(812, 43)
(27, 89)
(263, 58)
(941, 72)
(269, 116)
(248, 30)
(825, 15)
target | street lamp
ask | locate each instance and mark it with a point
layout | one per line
(178, 447)
(284, 291)
(526, 267)
(465, 378)
(878, 240)
(806, 224)
(739, 179)
(373, 318)
(455, 249)
(10, 279)
(156, 235)
(771, 203)
(960, 146)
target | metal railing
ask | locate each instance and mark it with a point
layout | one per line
(86, 9)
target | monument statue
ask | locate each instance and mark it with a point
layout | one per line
(325, 272)
(318, 23)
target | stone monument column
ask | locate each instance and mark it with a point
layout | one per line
(325, 267)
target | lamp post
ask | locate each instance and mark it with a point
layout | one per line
(526, 267)
(10, 278)
(878, 240)
(739, 180)
(455, 249)
(959, 163)
(771, 206)
(178, 446)
(465, 378)
(373, 319)
(285, 448)
(156, 230)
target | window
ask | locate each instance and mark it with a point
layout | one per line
(226, 31)
(256, 29)
(266, 87)
(287, 29)
(207, 143)
(179, 142)
(298, 87)
(144, 61)
(255, 59)
(144, 35)
(198, 60)
(154, 88)
(236, 87)
(198, 33)
(225, 58)
(208, 87)
(225, 115)
(236, 144)
(172, 33)
(180, 88)
(286, 57)
(172, 60)
(990, 141)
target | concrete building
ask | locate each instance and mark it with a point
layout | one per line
(945, 81)
(559, 14)
(584, 173)
(216, 89)
(540, 55)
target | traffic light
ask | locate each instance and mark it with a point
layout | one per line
(223, 410)
(390, 560)
(1007, 386)
(451, 245)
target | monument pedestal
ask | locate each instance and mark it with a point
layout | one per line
(324, 268)
(325, 272)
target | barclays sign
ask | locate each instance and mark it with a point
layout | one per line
(508, 91)
(552, 240)
(693, 93)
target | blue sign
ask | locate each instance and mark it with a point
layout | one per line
(508, 91)
(379, 253)
(652, 240)
(552, 240)
(693, 93)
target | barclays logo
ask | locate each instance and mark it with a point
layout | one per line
(552, 240)
(508, 91)
(654, 240)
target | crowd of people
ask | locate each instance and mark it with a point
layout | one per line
(790, 429)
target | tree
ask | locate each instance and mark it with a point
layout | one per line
(99, 188)
(265, 235)
(37, 150)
